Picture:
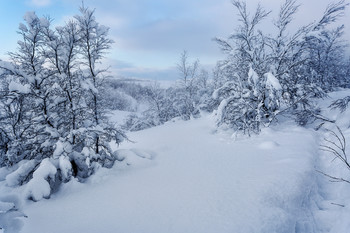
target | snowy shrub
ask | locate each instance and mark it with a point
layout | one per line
(117, 99)
(265, 75)
(247, 108)
(136, 123)
(52, 120)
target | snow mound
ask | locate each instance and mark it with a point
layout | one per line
(6, 206)
(10, 215)
(39, 187)
(133, 156)
(14, 178)
(268, 145)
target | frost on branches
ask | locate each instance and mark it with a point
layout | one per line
(52, 123)
(267, 75)
(248, 104)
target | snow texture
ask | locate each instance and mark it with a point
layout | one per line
(38, 187)
(197, 182)
(191, 177)
(253, 77)
(272, 82)
(10, 215)
(15, 177)
(65, 167)
(17, 87)
(6, 206)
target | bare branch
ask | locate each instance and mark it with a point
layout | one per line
(332, 13)
(333, 178)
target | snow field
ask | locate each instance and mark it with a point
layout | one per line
(192, 180)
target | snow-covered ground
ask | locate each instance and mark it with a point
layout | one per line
(186, 176)
(333, 210)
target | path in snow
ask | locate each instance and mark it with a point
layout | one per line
(197, 181)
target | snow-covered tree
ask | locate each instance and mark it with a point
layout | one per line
(52, 123)
(244, 99)
(266, 75)
(186, 100)
(160, 109)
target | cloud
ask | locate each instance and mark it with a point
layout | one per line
(158, 31)
(149, 73)
(120, 68)
(153, 33)
(40, 3)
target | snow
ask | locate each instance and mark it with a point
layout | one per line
(89, 86)
(10, 216)
(118, 116)
(268, 145)
(17, 87)
(5, 206)
(194, 181)
(334, 211)
(23, 27)
(222, 107)
(6, 65)
(30, 17)
(132, 156)
(65, 167)
(272, 81)
(38, 187)
(188, 176)
(13, 178)
(253, 77)
(44, 22)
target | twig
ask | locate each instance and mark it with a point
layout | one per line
(333, 178)
(337, 204)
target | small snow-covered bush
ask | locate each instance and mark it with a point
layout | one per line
(249, 106)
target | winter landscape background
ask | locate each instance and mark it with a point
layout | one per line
(152, 116)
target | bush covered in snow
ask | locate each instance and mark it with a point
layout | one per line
(52, 119)
(265, 75)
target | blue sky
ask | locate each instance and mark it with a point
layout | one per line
(149, 35)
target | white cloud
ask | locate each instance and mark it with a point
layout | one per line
(40, 3)
(153, 33)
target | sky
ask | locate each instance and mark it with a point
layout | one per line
(150, 35)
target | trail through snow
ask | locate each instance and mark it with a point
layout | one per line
(197, 180)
